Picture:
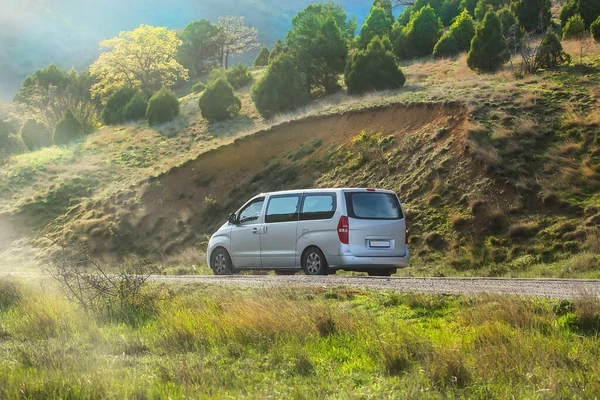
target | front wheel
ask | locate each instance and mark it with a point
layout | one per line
(220, 262)
(314, 263)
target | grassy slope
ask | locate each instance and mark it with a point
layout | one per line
(258, 343)
(505, 188)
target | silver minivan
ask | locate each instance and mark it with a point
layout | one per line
(316, 230)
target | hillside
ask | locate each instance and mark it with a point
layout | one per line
(500, 175)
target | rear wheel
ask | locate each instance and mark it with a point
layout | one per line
(381, 272)
(313, 262)
(220, 262)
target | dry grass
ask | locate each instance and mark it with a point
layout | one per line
(592, 240)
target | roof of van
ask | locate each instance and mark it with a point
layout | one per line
(321, 190)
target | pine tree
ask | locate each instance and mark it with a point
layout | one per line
(376, 24)
(488, 47)
(277, 50)
(218, 102)
(262, 59)
(422, 32)
(458, 38)
(534, 15)
(68, 129)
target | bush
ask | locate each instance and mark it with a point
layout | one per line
(277, 50)
(9, 142)
(68, 129)
(376, 24)
(513, 33)
(468, 5)
(374, 68)
(422, 32)
(282, 88)
(482, 8)
(239, 76)
(589, 10)
(534, 15)
(162, 107)
(35, 135)
(488, 49)
(198, 87)
(574, 28)
(448, 11)
(458, 38)
(595, 29)
(551, 53)
(136, 108)
(262, 59)
(218, 102)
(404, 18)
(114, 110)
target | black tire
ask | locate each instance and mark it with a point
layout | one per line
(220, 262)
(284, 273)
(314, 262)
(381, 272)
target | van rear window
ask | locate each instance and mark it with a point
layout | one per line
(373, 205)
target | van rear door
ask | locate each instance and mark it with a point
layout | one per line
(377, 226)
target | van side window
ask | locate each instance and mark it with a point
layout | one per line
(252, 211)
(318, 206)
(282, 208)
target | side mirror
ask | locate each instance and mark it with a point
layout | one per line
(233, 219)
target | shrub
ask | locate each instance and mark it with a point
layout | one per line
(218, 102)
(534, 15)
(68, 129)
(574, 28)
(458, 38)
(595, 29)
(136, 108)
(198, 87)
(262, 59)
(162, 107)
(277, 50)
(448, 11)
(374, 68)
(239, 76)
(114, 110)
(488, 48)
(404, 18)
(376, 24)
(551, 53)
(482, 8)
(35, 135)
(589, 10)
(423, 32)
(282, 88)
(513, 33)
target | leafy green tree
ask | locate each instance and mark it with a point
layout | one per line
(534, 15)
(281, 89)
(373, 68)
(448, 11)
(144, 58)
(574, 28)
(67, 130)
(200, 46)
(550, 53)
(435, 4)
(114, 111)
(387, 6)
(404, 18)
(482, 8)
(458, 38)
(239, 76)
(488, 48)
(218, 102)
(376, 24)
(43, 78)
(35, 135)
(9, 142)
(262, 59)
(307, 20)
(595, 29)
(162, 107)
(469, 5)
(136, 108)
(589, 10)
(198, 87)
(277, 50)
(513, 33)
(422, 32)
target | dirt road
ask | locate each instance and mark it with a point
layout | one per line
(553, 288)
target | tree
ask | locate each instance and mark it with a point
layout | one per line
(136, 108)
(218, 102)
(114, 111)
(513, 33)
(198, 87)
(488, 48)
(277, 50)
(162, 107)
(376, 24)
(262, 59)
(200, 44)
(483, 6)
(404, 18)
(373, 68)
(35, 135)
(308, 19)
(68, 129)
(534, 15)
(588, 9)
(574, 28)
(595, 29)
(44, 78)
(239, 76)
(550, 52)
(422, 32)
(281, 89)
(469, 5)
(387, 6)
(458, 38)
(235, 38)
(448, 11)
(144, 58)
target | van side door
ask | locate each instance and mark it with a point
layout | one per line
(279, 231)
(245, 236)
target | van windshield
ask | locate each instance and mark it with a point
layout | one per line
(373, 205)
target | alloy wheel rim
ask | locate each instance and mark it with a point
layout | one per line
(313, 263)
(220, 264)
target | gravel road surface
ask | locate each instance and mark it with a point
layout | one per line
(554, 288)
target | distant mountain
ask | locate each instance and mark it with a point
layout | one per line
(37, 33)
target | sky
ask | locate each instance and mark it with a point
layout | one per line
(37, 33)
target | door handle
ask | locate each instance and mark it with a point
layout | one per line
(264, 229)
(254, 230)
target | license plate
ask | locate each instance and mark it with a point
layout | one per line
(380, 244)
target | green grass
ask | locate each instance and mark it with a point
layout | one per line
(215, 342)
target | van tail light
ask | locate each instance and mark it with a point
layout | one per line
(343, 228)
(406, 232)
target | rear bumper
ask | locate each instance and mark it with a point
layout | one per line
(368, 262)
